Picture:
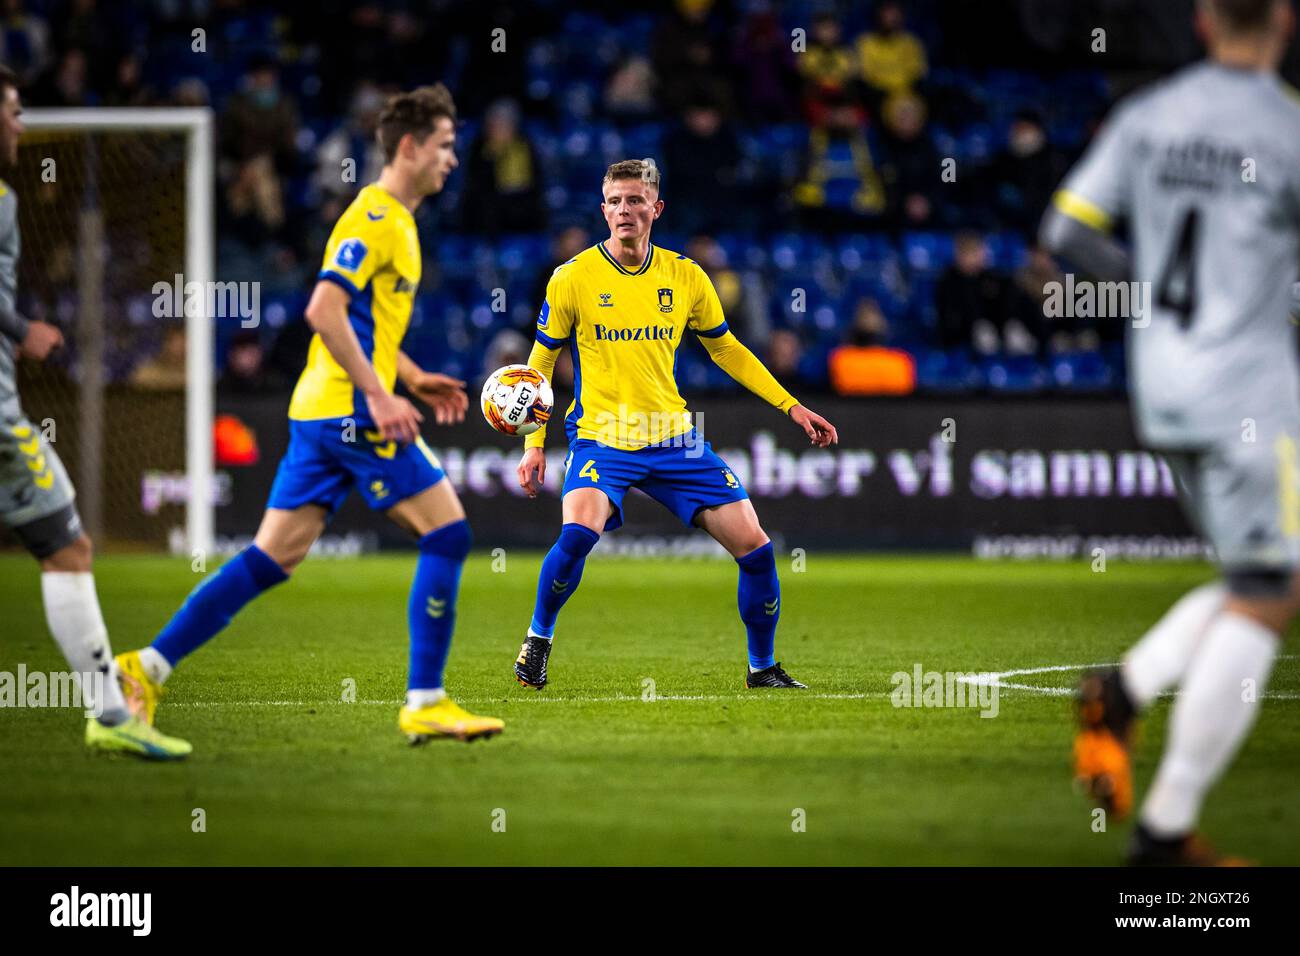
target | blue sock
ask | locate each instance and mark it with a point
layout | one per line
(561, 572)
(216, 600)
(431, 612)
(759, 598)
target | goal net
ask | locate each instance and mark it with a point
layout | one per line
(114, 208)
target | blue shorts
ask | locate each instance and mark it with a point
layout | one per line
(322, 466)
(684, 479)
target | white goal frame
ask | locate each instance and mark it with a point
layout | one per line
(200, 245)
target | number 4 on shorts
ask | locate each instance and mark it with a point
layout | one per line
(589, 470)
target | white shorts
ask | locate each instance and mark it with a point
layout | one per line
(1244, 498)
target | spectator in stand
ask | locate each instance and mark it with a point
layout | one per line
(24, 41)
(503, 192)
(765, 64)
(911, 165)
(730, 286)
(129, 88)
(827, 68)
(258, 146)
(865, 364)
(686, 59)
(892, 60)
(246, 372)
(191, 91)
(841, 186)
(784, 357)
(261, 119)
(840, 183)
(1025, 173)
(630, 91)
(507, 347)
(98, 29)
(67, 83)
(354, 140)
(165, 370)
(977, 305)
(1058, 334)
(701, 170)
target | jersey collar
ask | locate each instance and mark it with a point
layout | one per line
(649, 255)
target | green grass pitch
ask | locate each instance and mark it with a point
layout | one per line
(587, 772)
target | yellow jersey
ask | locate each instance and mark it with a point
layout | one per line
(373, 254)
(625, 326)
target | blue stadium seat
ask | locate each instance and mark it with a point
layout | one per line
(1014, 374)
(928, 253)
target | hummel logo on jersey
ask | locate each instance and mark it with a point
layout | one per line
(378, 214)
(558, 586)
(648, 332)
(771, 606)
(436, 608)
(403, 284)
(607, 300)
(378, 490)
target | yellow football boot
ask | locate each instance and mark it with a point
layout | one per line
(137, 738)
(446, 719)
(142, 692)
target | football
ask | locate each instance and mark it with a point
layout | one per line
(517, 400)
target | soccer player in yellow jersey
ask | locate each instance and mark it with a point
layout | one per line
(624, 306)
(347, 429)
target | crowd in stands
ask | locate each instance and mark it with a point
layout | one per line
(866, 209)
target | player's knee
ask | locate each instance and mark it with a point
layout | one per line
(752, 541)
(76, 556)
(288, 555)
(1270, 596)
(57, 540)
(452, 541)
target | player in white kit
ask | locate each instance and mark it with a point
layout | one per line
(1205, 169)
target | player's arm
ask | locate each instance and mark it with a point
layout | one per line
(327, 314)
(34, 339)
(730, 355)
(444, 394)
(1077, 224)
(532, 467)
(554, 323)
(1083, 239)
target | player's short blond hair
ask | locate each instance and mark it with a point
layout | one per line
(642, 169)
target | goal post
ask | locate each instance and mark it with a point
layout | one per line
(95, 255)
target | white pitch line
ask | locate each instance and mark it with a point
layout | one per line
(996, 680)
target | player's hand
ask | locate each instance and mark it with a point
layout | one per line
(41, 339)
(396, 418)
(819, 431)
(532, 471)
(444, 394)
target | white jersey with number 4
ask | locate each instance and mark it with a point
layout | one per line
(1205, 167)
